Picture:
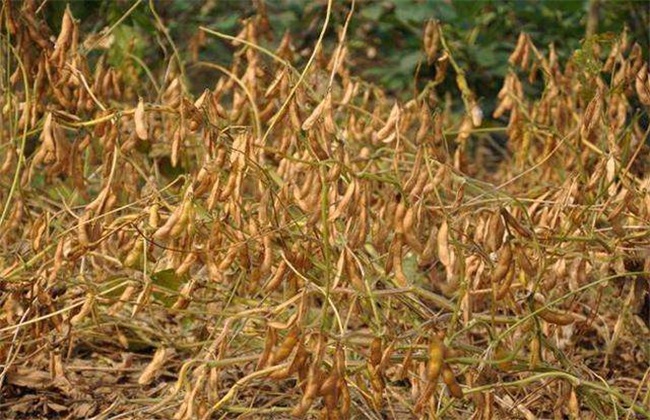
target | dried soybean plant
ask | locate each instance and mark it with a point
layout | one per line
(294, 242)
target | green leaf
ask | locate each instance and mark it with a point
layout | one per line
(409, 12)
(468, 8)
(411, 269)
(166, 286)
(372, 11)
(167, 279)
(445, 12)
(409, 61)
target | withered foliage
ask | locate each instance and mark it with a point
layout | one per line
(292, 242)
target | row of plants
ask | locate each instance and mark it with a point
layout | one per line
(293, 240)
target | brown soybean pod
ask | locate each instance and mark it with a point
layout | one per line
(164, 230)
(311, 390)
(503, 264)
(330, 400)
(300, 359)
(502, 352)
(504, 288)
(82, 232)
(353, 275)
(557, 318)
(345, 398)
(514, 223)
(269, 342)
(496, 228)
(450, 380)
(455, 390)
(406, 364)
(154, 217)
(139, 117)
(400, 277)
(436, 358)
(329, 385)
(524, 262)
(375, 351)
(286, 347)
(267, 258)
(275, 281)
(385, 356)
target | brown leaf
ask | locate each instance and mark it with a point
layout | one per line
(29, 378)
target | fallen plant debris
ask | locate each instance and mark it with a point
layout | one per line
(293, 242)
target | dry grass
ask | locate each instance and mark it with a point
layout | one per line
(294, 242)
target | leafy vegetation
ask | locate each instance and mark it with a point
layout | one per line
(207, 220)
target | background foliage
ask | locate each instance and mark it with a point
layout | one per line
(386, 36)
(236, 235)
